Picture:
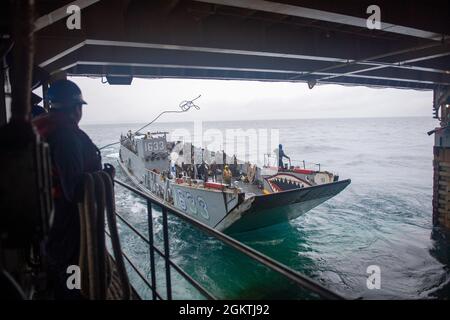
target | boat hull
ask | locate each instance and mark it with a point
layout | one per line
(223, 211)
(208, 207)
(267, 210)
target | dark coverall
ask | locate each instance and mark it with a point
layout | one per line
(73, 153)
(203, 172)
(37, 110)
(281, 155)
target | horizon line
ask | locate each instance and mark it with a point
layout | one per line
(247, 120)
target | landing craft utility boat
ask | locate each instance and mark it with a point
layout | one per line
(257, 196)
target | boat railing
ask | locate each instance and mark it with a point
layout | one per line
(302, 164)
(129, 144)
(301, 281)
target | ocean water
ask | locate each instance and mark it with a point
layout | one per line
(384, 218)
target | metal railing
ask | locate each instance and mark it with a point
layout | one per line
(298, 279)
(305, 165)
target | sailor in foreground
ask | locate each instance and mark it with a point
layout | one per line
(72, 153)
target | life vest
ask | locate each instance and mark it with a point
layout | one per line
(227, 175)
(47, 125)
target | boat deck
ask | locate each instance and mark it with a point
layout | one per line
(249, 188)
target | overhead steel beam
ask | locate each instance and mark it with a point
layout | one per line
(295, 68)
(399, 63)
(138, 56)
(374, 83)
(392, 55)
(218, 32)
(180, 47)
(140, 70)
(49, 54)
(142, 56)
(369, 62)
(321, 15)
(443, 58)
(393, 77)
(220, 43)
(177, 72)
(217, 36)
(305, 65)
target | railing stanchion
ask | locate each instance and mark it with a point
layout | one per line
(167, 253)
(151, 247)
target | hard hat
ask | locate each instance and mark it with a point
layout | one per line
(63, 94)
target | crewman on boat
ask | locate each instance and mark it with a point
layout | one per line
(203, 171)
(72, 153)
(227, 175)
(178, 171)
(281, 155)
(213, 171)
(234, 167)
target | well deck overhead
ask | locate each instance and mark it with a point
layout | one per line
(309, 41)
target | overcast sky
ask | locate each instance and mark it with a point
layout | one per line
(234, 100)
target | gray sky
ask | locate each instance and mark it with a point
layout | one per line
(234, 100)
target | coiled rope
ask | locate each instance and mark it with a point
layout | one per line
(97, 267)
(185, 106)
